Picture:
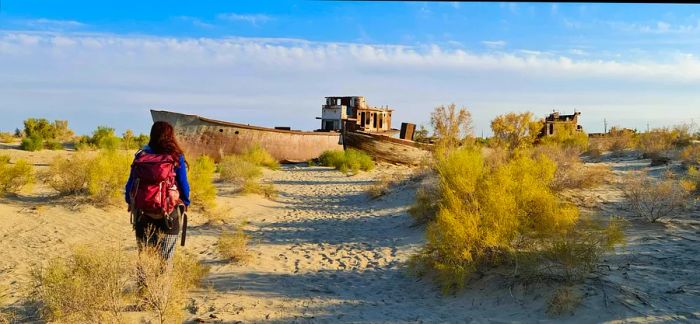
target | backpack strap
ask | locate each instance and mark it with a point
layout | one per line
(184, 225)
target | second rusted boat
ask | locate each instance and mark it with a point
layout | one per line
(386, 148)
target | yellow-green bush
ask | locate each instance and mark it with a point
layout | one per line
(487, 215)
(6, 137)
(87, 286)
(692, 180)
(691, 155)
(259, 156)
(234, 246)
(349, 161)
(107, 174)
(15, 177)
(236, 169)
(69, 175)
(567, 136)
(201, 177)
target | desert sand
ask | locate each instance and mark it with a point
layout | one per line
(324, 251)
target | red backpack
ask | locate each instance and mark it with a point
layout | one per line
(154, 190)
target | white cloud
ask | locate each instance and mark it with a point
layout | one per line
(50, 24)
(94, 79)
(253, 19)
(494, 44)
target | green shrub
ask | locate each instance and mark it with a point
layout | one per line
(69, 175)
(348, 161)
(39, 128)
(201, 177)
(487, 215)
(53, 145)
(32, 143)
(259, 156)
(107, 173)
(87, 286)
(40, 134)
(131, 142)
(15, 177)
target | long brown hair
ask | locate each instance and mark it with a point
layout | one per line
(163, 140)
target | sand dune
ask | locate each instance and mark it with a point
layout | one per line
(323, 251)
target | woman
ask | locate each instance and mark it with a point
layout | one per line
(153, 229)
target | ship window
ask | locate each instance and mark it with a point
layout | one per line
(236, 132)
(221, 130)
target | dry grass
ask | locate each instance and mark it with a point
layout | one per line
(68, 176)
(234, 246)
(425, 207)
(218, 215)
(99, 177)
(564, 301)
(245, 171)
(15, 177)
(6, 316)
(87, 286)
(7, 137)
(571, 173)
(691, 155)
(692, 180)
(381, 186)
(653, 199)
(165, 292)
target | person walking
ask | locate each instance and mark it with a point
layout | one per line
(158, 193)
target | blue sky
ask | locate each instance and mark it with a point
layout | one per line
(272, 62)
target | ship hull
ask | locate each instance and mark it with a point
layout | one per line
(203, 136)
(387, 148)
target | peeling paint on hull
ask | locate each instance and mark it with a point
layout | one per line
(203, 136)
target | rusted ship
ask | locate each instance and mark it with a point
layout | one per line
(204, 136)
(362, 127)
(369, 129)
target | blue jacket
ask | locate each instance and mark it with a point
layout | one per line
(180, 177)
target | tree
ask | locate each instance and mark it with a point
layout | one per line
(450, 126)
(516, 130)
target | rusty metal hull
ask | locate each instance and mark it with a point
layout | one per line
(203, 136)
(386, 148)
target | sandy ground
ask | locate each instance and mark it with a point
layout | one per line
(323, 251)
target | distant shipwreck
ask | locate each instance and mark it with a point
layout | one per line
(345, 122)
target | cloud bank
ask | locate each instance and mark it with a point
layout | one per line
(94, 79)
